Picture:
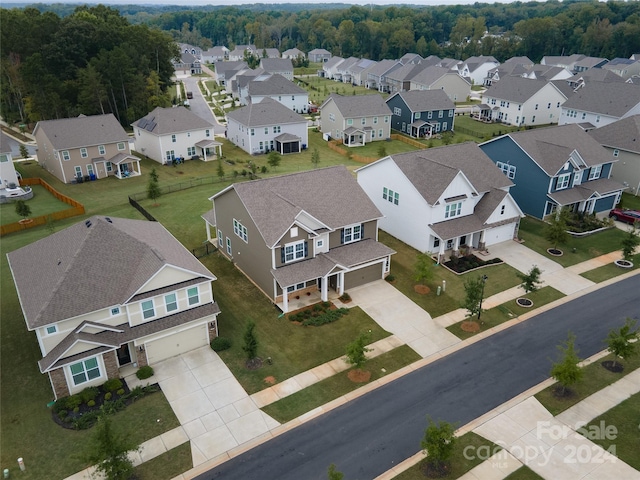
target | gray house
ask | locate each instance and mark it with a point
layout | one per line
(319, 55)
(306, 233)
(279, 66)
(421, 113)
(440, 78)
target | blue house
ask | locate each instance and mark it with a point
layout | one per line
(421, 113)
(556, 167)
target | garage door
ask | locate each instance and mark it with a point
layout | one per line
(362, 276)
(500, 234)
(172, 345)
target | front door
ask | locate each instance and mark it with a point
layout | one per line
(124, 355)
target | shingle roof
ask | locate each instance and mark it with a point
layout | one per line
(4, 144)
(432, 74)
(85, 268)
(82, 131)
(383, 66)
(163, 121)
(276, 64)
(359, 105)
(600, 97)
(597, 75)
(515, 89)
(274, 85)
(623, 134)
(425, 100)
(331, 195)
(267, 112)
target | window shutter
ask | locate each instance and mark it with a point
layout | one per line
(361, 231)
(282, 254)
(341, 236)
(306, 248)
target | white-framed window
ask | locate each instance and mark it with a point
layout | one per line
(436, 242)
(363, 121)
(536, 107)
(102, 150)
(277, 129)
(616, 152)
(297, 286)
(220, 240)
(429, 115)
(191, 151)
(253, 132)
(386, 119)
(51, 329)
(115, 311)
(352, 233)
(188, 134)
(109, 167)
(171, 302)
(85, 370)
(380, 133)
(397, 111)
(4, 158)
(597, 118)
(173, 138)
(390, 196)
(207, 133)
(548, 105)
(89, 169)
(375, 120)
(502, 209)
(83, 153)
(193, 296)
(240, 230)
(319, 243)
(78, 171)
(451, 112)
(332, 117)
(120, 145)
(170, 155)
(508, 170)
(519, 107)
(563, 181)
(148, 309)
(294, 251)
(533, 119)
(453, 210)
(229, 246)
(595, 172)
(349, 121)
(417, 116)
(65, 155)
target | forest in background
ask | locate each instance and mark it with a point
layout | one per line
(93, 59)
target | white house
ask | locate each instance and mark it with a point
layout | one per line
(440, 200)
(278, 88)
(8, 175)
(477, 68)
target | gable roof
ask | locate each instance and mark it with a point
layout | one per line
(74, 271)
(274, 85)
(223, 67)
(276, 64)
(432, 74)
(359, 105)
(425, 100)
(163, 121)
(623, 134)
(319, 51)
(82, 131)
(266, 112)
(600, 97)
(597, 75)
(406, 72)
(515, 89)
(383, 66)
(331, 195)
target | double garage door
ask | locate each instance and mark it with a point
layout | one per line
(172, 345)
(500, 234)
(364, 275)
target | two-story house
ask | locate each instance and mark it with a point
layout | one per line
(376, 74)
(556, 167)
(356, 73)
(293, 54)
(109, 292)
(356, 119)
(421, 113)
(475, 69)
(278, 66)
(439, 78)
(601, 103)
(278, 88)
(521, 101)
(226, 70)
(85, 148)
(215, 54)
(330, 66)
(319, 55)
(238, 53)
(265, 126)
(312, 231)
(165, 134)
(442, 200)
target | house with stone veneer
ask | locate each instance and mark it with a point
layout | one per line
(109, 292)
(305, 233)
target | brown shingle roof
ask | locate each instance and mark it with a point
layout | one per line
(82, 131)
(163, 121)
(359, 105)
(623, 134)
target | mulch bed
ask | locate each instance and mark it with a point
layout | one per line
(270, 380)
(431, 471)
(524, 302)
(470, 326)
(615, 367)
(254, 363)
(469, 262)
(421, 289)
(359, 376)
(555, 252)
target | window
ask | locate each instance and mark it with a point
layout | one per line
(436, 242)
(519, 107)
(597, 118)
(109, 167)
(350, 121)
(240, 230)
(51, 329)
(508, 170)
(220, 240)
(193, 296)
(595, 172)
(536, 107)
(390, 196)
(502, 208)
(616, 152)
(171, 302)
(191, 151)
(120, 145)
(548, 105)
(189, 134)
(78, 171)
(83, 153)
(207, 133)
(102, 150)
(148, 309)
(429, 115)
(453, 210)
(417, 115)
(380, 133)
(332, 117)
(319, 243)
(294, 251)
(277, 129)
(228, 245)
(533, 119)
(584, 115)
(293, 288)
(397, 111)
(563, 181)
(173, 139)
(170, 155)
(4, 158)
(65, 155)
(352, 233)
(386, 119)
(89, 169)
(375, 120)
(84, 371)
(558, 105)
(253, 132)
(363, 121)
(115, 311)
(451, 113)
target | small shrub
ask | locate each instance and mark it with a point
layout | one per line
(219, 344)
(61, 405)
(120, 392)
(345, 297)
(112, 385)
(317, 307)
(390, 278)
(144, 372)
(89, 394)
(76, 409)
(74, 402)
(63, 414)
(107, 396)
(326, 305)
(91, 403)
(264, 169)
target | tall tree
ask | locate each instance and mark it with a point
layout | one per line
(438, 443)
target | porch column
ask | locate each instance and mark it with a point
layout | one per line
(441, 252)
(481, 244)
(324, 289)
(340, 283)
(208, 231)
(285, 300)
(456, 247)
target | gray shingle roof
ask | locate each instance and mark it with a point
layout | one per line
(383, 66)
(82, 131)
(605, 98)
(163, 121)
(597, 75)
(623, 134)
(267, 112)
(276, 64)
(83, 269)
(425, 100)
(274, 85)
(515, 89)
(4, 144)
(432, 74)
(331, 195)
(359, 105)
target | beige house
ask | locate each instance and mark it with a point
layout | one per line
(110, 292)
(440, 78)
(85, 148)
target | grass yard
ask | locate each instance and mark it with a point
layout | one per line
(320, 88)
(485, 130)
(606, 272)
(624, 418)
(168, 465)
(42, 203)
(505, 312)
(630, 201)
(391, 147)
(524, 473)
(460, 463)
(334, 387)
(586, 248)
(595, 378)
(501, 277)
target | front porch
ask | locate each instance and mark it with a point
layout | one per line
(125, 166)
(210, 149)
(354, 137)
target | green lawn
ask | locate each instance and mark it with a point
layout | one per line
(524, 473)
(486, 130)
(320, 88)
(505, 312)
(586, 248)
(391, 147)
(168, 465)
(42, 203)
(607, 272)
(501, 277)
(624, 417)
(595, 378)
(630, 201)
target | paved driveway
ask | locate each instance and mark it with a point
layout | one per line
(199, 105)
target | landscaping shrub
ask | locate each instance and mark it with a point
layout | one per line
(390, 278)
(144, 372)
(328, 316)
(88, 394)
(120, 392)
(91, 403)
(345, 297)
(317, 307)
(107, 396)
(73, 402)
(219, 344)
(326, 304)
(112, 385)
(468, 262)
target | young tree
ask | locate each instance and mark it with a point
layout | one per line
(273, 159)
(220, 170)
(629, 243)
(531, 280)
(23, 209)
(357, 349)
(250, 341)
(567, 372)
(556, 230)
(153, 189)
(109, 452)
(473, 288)
(623, 342)
(24, 153)
(438, 443)
(334, 474)
(382, 150)
(315, 157)
(423, 268)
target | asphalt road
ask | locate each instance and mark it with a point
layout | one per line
(198, 104)
(371, 434)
